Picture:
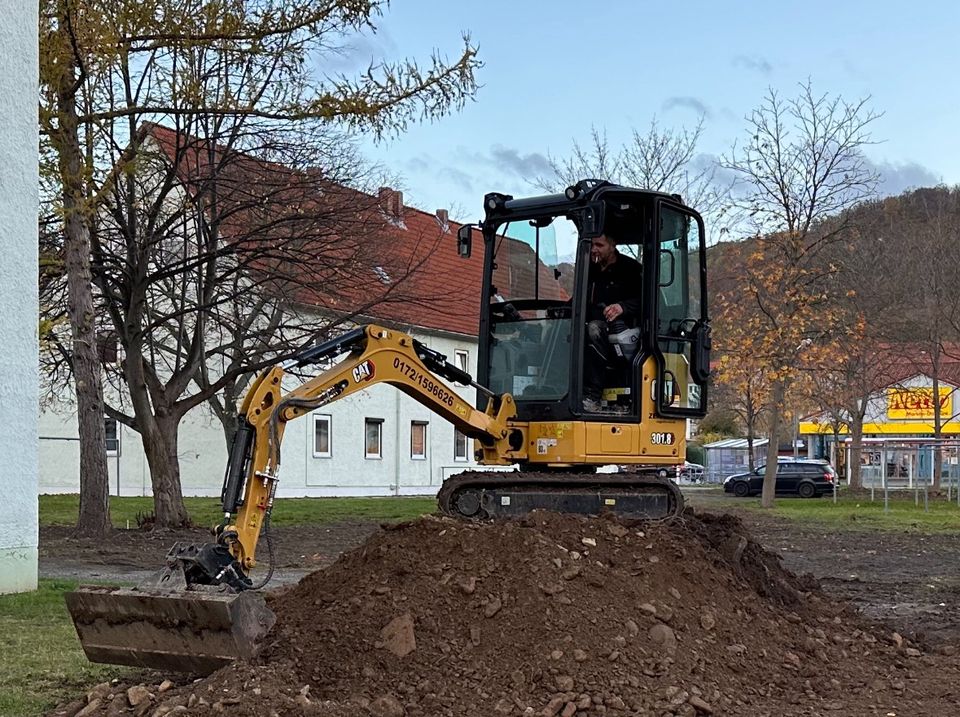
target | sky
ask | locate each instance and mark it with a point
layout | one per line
(552, 69)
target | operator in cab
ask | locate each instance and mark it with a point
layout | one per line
(614, 293)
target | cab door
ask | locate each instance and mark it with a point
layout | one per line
(681, 322)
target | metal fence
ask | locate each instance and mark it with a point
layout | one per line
(907, 465)
(729, 456)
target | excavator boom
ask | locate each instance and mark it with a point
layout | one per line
(199, 612)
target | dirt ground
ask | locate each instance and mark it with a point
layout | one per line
(709, 614)
(909, 582)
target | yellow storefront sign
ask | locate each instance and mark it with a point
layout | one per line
(911, 403)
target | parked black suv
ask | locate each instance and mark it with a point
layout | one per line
(806, 478)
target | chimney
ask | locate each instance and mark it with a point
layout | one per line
(443, 218)
(391, 201)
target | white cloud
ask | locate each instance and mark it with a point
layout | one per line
(692, 103)
(755, 63)
(897, 177)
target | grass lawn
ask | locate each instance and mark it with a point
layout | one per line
(63, 509)
(41, 662)
(857, 512)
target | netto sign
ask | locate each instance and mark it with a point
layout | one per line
(906, 403)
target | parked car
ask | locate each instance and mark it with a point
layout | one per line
(690, 472)
(807, 478)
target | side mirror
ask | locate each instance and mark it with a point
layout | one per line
(702, 343)
(465, 240)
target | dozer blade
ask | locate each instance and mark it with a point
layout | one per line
(190, 631)
(477, 495)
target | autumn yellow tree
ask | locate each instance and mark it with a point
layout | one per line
(229, 75)
(801, 163)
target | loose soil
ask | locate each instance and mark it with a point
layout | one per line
(559, 615)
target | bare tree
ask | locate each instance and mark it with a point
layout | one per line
(238, 82)
(661, 159)
(801, 164)
(62, 75)
(936, 244)
(916, 244)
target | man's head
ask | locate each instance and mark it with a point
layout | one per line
(603, 250)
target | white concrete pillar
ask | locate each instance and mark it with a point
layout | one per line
(18, 293)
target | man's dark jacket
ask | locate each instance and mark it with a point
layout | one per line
(620, 283)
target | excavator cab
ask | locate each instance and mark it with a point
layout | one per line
(536, 310)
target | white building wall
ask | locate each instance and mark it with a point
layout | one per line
(18, 295)
(347, 472)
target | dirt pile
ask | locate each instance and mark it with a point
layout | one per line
(559, 615)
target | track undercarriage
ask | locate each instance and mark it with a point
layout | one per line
(478, 495)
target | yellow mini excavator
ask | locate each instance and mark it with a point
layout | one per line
(203, 609)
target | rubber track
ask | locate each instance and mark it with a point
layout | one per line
(582, 484)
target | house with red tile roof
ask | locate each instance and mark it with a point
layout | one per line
(380, 442)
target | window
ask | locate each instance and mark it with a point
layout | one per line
(459, 446)
(107, 347)
(373, 434)
(461, 359)
(418, 440)
(111, 432)
(321, 436)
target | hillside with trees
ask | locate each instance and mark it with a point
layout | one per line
(879, 305)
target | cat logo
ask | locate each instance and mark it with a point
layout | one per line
(364, 372)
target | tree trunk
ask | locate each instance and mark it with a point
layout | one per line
(225, 408)
(750, 456)
(94, 516)
(777, 393)
(835, 458)
(230, 423)
(158, 433)
(856, 450)
(937, 430)
(159, 437)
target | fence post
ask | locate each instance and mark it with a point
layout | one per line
(883, 467)
(886, 499)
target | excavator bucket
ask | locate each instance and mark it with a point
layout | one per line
(197, 630)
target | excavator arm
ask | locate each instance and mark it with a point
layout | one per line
(199, 613)
(374, 355)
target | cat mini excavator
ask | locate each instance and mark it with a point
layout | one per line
(202, 610)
